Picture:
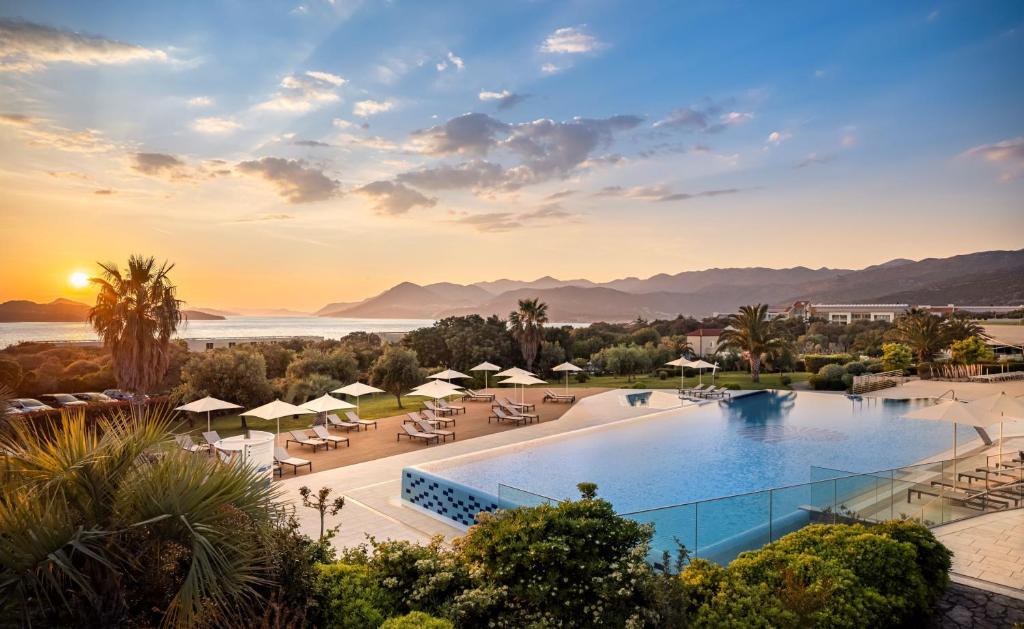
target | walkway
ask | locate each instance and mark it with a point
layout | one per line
(988, 551)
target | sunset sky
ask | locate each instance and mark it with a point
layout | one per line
(292, 154)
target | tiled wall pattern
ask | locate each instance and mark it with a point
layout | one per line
(449, 499)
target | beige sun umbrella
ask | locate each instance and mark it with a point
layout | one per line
(680, 362)
(512, 372)
(955, 412)
(276, 410)
(447, 374)
(357, 389)
(325, 404)
(206, 405)
(525, 380)
(700, 366)
(566, 367)
(486, 367)
(435, 389)
(1005, 407)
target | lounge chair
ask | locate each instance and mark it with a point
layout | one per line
(971, 501)
(500, 415)
(282, 458)
(713, 392)
(322, 433)
(511, 410)
(475, 396)
(365, 423)
(998, 491)
(211, 438)
(437, 409)
(458, 408)
(519, 406)
(426, 427)
(437, 421)
(697, 390)
(558, 397)
(185, 443)
(336, 422)
(412, 433)
(301, 438)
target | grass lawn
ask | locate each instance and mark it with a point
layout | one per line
(384, 405)
(740, 378)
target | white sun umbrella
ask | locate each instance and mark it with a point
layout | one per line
(955, 412)
(435, 389)
(276, 410)
(357, 389)
(700, 366)
(525, 380)
(206, 405)
(680, 362)
(325, 404)
(566, 367)
(448, 374)
(486, 367)
(512, 372)
(1005, 407)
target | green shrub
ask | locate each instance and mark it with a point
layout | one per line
(855, 368)
(832, 372)
(786, 381)
(814, 362)
(662, 374)
(582, 376)
(417, 620)
(732, 386)
(847, 380)
(824, 576)
(346, 597)
(416, 577)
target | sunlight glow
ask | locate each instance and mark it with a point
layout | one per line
(79, 279)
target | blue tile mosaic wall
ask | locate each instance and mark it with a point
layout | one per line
(449, 499)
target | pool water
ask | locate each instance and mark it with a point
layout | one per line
(755, 442)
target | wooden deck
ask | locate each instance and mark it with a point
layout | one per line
(368, 445)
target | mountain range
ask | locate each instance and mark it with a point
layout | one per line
(66, 310)
(983, 278)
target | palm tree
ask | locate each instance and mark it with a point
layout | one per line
(106, 524)
(751, 332)
(960, 327)
(136, 313)
(925, 333)
(527, 327)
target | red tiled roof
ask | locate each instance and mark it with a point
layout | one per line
(706, 332)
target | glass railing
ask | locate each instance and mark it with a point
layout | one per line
(932, 493)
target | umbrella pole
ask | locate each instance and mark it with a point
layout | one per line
(954, 455)
(207, 421)
(999, 461)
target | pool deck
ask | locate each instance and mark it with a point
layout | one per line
(988, 551)
(372, 488)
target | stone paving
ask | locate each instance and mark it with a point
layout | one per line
(988, 549)
(966, 607)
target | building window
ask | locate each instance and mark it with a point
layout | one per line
(231, 344)
(209, 346)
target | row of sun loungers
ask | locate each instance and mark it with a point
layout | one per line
(708, 392)
(551, 396)
(353, 422)
(475, 396)
(425, 427)
(518, 414)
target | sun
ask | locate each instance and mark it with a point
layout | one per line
(79, 279)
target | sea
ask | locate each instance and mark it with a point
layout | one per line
(327, 327)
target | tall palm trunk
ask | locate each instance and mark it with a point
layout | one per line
(755, 368)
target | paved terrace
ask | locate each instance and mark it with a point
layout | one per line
(988, 551)
(372, 488)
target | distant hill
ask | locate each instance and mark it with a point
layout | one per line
(65, 310)
(988, 278)
(218, 311)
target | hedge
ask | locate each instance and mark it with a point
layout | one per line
(814, 362)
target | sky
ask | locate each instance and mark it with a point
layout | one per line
(286, 154)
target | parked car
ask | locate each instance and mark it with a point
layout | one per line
(61, 400)
(118, 394)
(26, 405)
(94, 397)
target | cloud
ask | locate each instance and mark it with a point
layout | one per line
(104, 192)
(707, 118)
(30, 47)
(263, 218)
(310, 143)
(561, 194)
(813, 159)
(160, 165)
(570, 40)
(545, 149)
(472, 174)
(199, 101)
(300, 93)
(366, 108)
(394, 198)
(457, 62)
(345, 124)
(41, 134)
(214, 125)
(295, 181)
(660, 193)
(374, 142)
(508, 221)
(550, 68)
(1008, 155)
(505, 99)
(734, 118)
(776, 138)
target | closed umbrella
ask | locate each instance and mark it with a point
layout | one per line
(680, 362)
(566, 367)
(525, 380)
(276, 410)
(1006, 407)
(357, 389)
(206, 405)
(486, 367)
(955, 412)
